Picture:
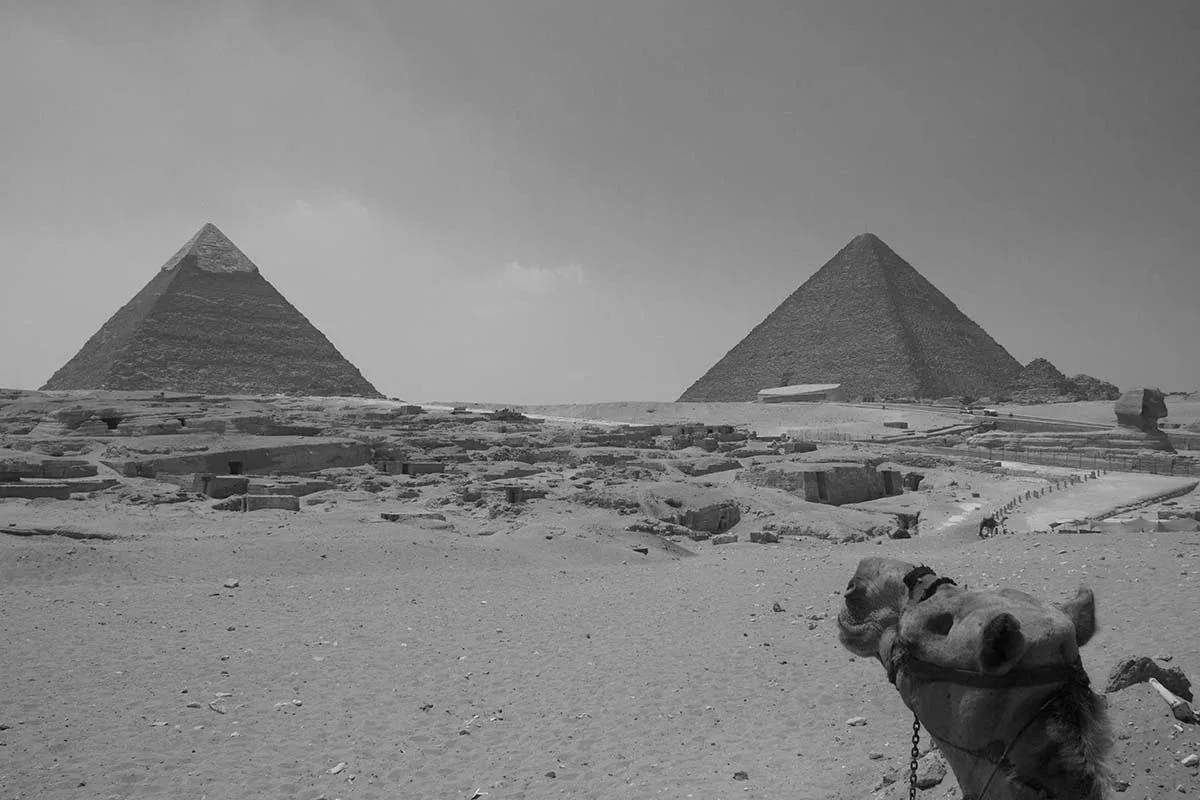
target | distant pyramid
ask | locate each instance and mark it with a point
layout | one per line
(868, 321)
(208, 322)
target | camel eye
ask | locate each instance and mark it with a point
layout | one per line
(940, 624)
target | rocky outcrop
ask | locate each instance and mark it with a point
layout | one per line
(872, 323)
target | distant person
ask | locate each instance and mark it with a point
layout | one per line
(988, 524)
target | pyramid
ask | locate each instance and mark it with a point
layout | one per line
(209, 322)
(868, 321)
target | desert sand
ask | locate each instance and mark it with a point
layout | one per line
(530, 652)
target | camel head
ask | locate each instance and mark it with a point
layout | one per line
(994, 676)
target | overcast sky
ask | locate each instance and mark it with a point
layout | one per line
(583, 201)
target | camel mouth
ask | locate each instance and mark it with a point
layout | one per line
(860, 636)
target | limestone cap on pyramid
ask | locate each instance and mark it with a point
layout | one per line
(213, 252)
(210, 322)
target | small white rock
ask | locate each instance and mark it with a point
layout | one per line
(1190, 761)
(334, 770)
(857, 721)
(232, 583)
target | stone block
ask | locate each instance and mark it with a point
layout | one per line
(707, 466)
(222, 486)
(67, 468)
(298, 488)
(409, 516)
(421, 467)
(257, 502)
(57, 491)
(764, 537)
(724, 538)
(714, 518)
(519, 494)
(90, 484)
(507, 470)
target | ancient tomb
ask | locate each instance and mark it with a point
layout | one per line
(209, 322)
(872, 323)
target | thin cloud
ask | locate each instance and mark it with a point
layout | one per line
(540, 280)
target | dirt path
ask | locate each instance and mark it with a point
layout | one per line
(1094, 498)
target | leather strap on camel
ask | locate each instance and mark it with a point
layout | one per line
(900, 657)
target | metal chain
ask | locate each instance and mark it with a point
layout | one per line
(912, 761)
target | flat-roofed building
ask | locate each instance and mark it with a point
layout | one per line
(802, 393)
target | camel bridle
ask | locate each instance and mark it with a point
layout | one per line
(901, 657)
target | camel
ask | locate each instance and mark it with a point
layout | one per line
(994, 677)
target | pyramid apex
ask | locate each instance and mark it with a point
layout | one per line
(866, 238)
(213, 252)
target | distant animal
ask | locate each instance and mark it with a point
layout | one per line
(994, 677)
(988, 524)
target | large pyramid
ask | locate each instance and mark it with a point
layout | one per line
(868, 321)
(209, 322)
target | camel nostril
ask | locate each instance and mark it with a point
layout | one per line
(940, 624)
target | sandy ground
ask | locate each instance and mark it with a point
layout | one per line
(545, 662)
(1180, 410)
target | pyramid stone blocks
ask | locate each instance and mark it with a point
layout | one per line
(872, 323)
(209, 322)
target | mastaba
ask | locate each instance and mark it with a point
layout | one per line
(868, 321)
(209, 322)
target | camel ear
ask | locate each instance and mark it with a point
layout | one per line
(1081, 610)
(1002, 643)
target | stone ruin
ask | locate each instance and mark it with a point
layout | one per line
(1141, 408)
(1137, 410)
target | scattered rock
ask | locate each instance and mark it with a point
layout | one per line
(856, 721)
(764, 537)
(551, 774)
(409, 516)
(741, 775)
(336, 768)
(724, 538)
(931, 770)
(232, 583)
(1139, 669)
(1190, 760)
(776, 608)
